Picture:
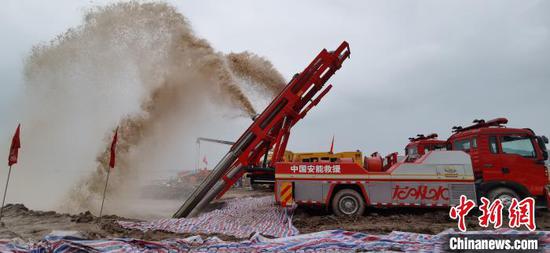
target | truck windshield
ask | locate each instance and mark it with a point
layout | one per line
(411, 151)
(520, 145)
(462, 145)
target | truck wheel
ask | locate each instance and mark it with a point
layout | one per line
(504, 194)
(348, 202)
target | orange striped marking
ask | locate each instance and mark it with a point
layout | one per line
(286, 194)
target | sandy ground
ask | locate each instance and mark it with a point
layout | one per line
(19, 222)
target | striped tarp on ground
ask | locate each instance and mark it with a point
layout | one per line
(325, 241)
(239, 217)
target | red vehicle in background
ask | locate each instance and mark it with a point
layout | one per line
(507, 162)
(420, 145)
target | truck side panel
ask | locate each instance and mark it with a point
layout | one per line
(311, 191)
(456, 190)
(379, 192)
(437, 179)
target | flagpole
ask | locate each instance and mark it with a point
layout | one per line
(198, 156)
(104, 190)
(111, 166)
(5, 191)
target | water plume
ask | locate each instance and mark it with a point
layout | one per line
(141, 67)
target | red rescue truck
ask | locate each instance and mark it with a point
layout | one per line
(485, 159)
(508, 162)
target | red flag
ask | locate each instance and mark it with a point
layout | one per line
(14, 149)
(113, 149)
(204, 160)
(332, 145)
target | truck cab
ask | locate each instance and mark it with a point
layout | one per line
(507, 162)
(421, 144)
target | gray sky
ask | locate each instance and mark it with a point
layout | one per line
(416, 66)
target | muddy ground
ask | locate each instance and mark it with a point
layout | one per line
(19, 222)
(383, 221)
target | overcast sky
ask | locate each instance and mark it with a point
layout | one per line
(416, 66)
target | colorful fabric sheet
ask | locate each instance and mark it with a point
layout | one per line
(239, 217)
(325, 241)
(253, 218)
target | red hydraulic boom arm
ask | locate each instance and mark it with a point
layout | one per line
(270, 130)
